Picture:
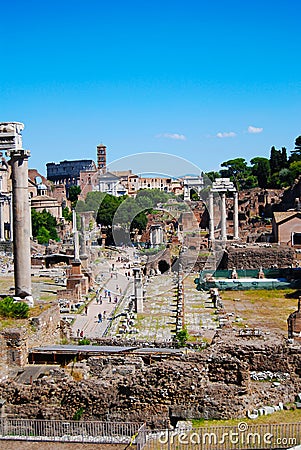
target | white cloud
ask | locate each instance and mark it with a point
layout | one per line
(177, 136)
(254, 130)
(225, 134)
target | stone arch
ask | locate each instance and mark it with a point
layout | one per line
(163, 266)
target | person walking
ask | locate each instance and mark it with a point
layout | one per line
(99, 317)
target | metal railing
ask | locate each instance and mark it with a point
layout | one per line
(243, 436)
(66, 431)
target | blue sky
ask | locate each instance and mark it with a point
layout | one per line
(204, 80)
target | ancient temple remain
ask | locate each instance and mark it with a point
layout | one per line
(221, 186)
(11, 142)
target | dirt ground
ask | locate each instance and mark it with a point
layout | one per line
(265, 310)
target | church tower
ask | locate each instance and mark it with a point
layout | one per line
(102, 158)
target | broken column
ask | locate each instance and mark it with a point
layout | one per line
(11, 142)
(138, 290)
(222, 186)
(76, 281)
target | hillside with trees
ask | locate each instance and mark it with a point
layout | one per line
(276, 172)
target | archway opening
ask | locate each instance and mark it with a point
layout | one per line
(163, 266)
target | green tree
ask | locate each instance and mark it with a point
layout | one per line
(213, 175)
(43, 235)
(295, 170)
(276, 160)
(73, 194)
(261, 169)
(296, 153)
(67, 214)
(139, 222)
(238, 172)
(284, 157)
(92, 202)
(107, 209)
(150, 198)
(43, 226)
(285, 177)
(182, 337)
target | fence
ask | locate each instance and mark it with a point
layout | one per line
(69, 431)
(241, 437)
(287, 272)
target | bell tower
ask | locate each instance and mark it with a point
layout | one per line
(102, 158)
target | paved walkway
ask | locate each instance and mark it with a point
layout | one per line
(113, 286)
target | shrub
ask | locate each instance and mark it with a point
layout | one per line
(13, 309)
(182, 337)
(84, 341)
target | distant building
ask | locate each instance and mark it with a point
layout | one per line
(135, 183)
(50, 204)
(192, 184)
(102, 158)
(91, 177)
(44, 195)
(5, 200)
(287, 228)
(68, 172)
(110, 184)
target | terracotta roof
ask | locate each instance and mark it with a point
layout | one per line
(283, 216)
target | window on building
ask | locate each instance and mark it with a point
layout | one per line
(296, 238)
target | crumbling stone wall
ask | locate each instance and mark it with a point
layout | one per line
(45, 328)
(256, 257)
(152, 264)
(213, 383)
(13, 349)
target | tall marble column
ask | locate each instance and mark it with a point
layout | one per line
(21, 221)
(223, 217)
(211, 217)
(235, 216)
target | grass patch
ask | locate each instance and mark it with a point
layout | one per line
(277, 417)
(264, 309)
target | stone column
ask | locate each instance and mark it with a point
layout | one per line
(138, 291)
(235, 216)
(2, 237)
(21, 221)
(75, 236)
(211, 217)
(223, 217)
(11, 231)
(186, 192)
(83, 244)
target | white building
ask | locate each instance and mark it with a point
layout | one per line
(110, 184)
